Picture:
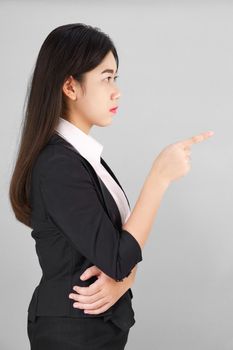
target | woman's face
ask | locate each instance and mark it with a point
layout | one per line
(92, 106)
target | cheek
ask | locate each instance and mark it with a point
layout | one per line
(98, 101)
(91, 109)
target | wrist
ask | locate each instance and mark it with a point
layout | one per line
(132, 276)
(158, 179)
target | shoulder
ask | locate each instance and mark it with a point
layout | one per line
(56, 160)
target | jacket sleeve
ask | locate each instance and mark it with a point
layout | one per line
(73, 205)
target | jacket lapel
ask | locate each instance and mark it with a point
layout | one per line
(114, 176)
(105, 196)
(107, 199)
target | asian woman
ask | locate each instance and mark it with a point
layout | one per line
(88, 240)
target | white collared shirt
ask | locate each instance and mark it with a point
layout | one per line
(91, 149)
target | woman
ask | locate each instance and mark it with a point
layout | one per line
(64, 190)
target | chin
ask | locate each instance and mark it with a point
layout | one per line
(104, 122)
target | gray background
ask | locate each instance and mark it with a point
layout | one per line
(176, 79)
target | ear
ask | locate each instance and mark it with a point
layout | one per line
(70, 88)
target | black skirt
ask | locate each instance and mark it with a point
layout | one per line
(67, 333)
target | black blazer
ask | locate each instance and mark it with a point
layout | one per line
(76, 224)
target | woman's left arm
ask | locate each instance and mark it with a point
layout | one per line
(103, 293)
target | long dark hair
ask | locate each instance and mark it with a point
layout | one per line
(70, 49)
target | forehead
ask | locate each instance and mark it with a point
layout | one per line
(107, 64)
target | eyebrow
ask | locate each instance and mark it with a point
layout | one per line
(108, 71)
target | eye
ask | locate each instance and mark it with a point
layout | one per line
(111, 77)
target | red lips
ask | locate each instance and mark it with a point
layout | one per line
(113, 109)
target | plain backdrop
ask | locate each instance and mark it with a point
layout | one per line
(176, 80)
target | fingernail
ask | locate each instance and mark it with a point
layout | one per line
(82, 277)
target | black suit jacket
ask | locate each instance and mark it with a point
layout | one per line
(76, 224)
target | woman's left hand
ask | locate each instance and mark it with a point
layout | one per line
(100, 295)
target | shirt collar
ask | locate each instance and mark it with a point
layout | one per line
(86, 145)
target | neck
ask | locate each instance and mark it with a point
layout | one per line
(84, 126)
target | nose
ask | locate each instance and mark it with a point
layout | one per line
(116, 94)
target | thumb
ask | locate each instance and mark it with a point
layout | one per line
(91, 271)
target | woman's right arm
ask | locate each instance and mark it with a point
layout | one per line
(143, 214)
(171, 164)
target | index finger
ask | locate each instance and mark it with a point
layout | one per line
(93, 288)
(197, 138)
